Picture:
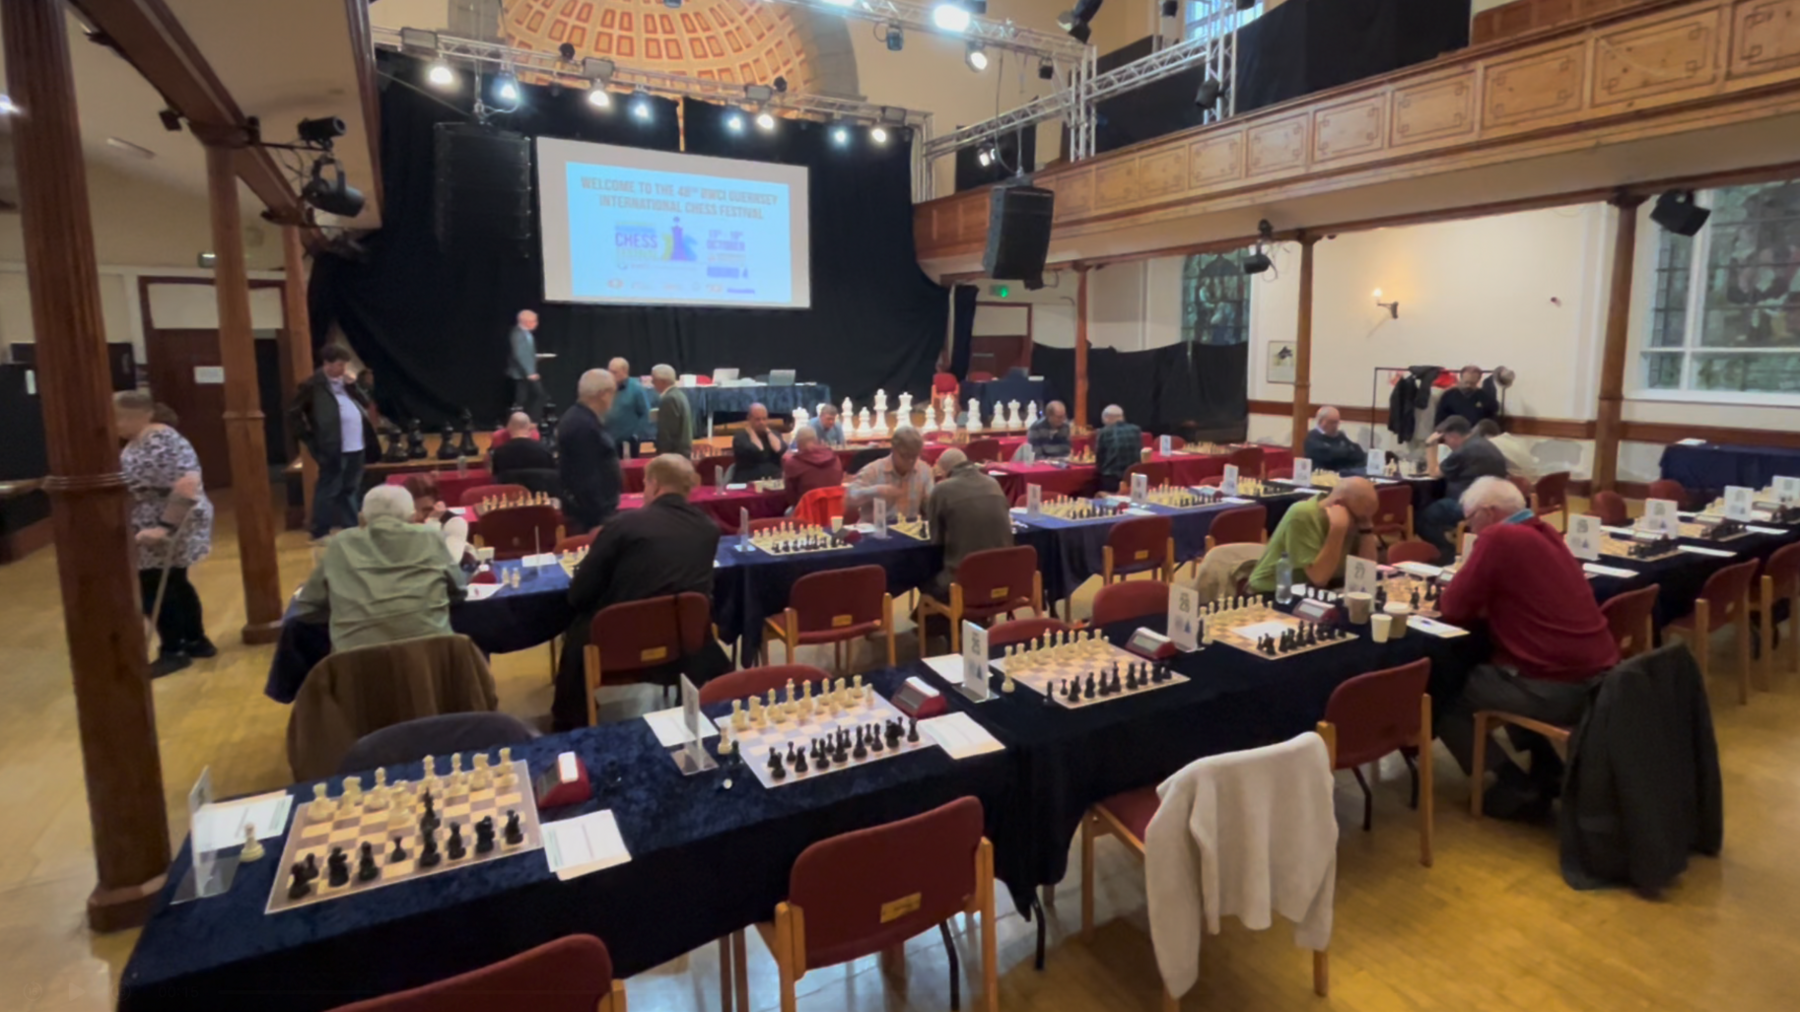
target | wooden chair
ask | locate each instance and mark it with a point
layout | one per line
(518, 531)
(1139, 545)
(444, 734)
(1244, 525)
(999, 581)
(1121, 602)
(1281, 474)
(983, 451)
(868, 891)
(708, 468)
(571, 974)
(1724, 600)
(1156, 472)
(1412, 551)
(1394, 510)
(1127, 816)
(1668, 488)
(1628, 617)
(1780, 582)
(1551, 495)
(1250, 461)
(835, 606)
(1005, 634)
(574, 542)
(640, 636)
(472, 497)
(1610, 508)
(756, 681)
(1378, 713)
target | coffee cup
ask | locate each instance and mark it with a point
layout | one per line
(1381, 625)
(1360, 605)
(1398, 612)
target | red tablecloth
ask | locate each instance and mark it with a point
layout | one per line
(1191, 468)
(451, 485)
(1076, 480)
(724, 505)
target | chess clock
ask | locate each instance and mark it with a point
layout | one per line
(918, 700)
(1151, 645)
(1313, 610)
(565, 783)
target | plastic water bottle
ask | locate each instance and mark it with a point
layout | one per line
(1284, 580)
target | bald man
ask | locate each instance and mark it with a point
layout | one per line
(1330, 449)
(968, 513)
(1050, 436)
(521, 364)
(523, 460)
(1317, 535)
(757, 448)
(628, 422)
(665, 548)
(589, 460)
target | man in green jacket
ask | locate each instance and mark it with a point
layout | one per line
(385, 580)
(674, 423)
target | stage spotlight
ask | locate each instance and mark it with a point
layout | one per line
(780, 85)
(441, 75)
(982, 157)
(878, 135)
(1257, 262)
(1047, 70)
(1169, 8)
(597, 70)
(735, 123)
(1075, 21)
(332, 194)
(765, 121)
(1208, 95)
(567, 52)
(840, 3)
(506, 88)
(758, 93)
(840, 135)
(894, 37)
(171, 120)
(1677, 212)
(950, 17)
(976, 56)
(598, 98)
(640, 106)
(322, 130)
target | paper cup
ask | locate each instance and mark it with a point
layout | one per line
(1359, 605)
(485, 554)
(1381, 626)
(1398, 611)
(837, 524)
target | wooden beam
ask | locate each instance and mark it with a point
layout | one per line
(243, 407)
(1082, 421)
(150, 38)
(1303, 346)
(1612, 355)
(95, 558)
(296, 352)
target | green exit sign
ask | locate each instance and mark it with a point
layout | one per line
(999, 291)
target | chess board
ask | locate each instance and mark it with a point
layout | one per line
(1249, 488)
(1400, 587)
(1043, 671)
(569, 560)
(1620, 548)
(1175, 497)
(918, 530)
(1080, 509)
(1704, 532)
(466, 807)
(797, 539)
(492, 503)
(1204, 450)
(755, 743)
(1240, 627)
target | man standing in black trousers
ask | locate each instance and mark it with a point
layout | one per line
(588, 459)
(521, 366)
(329, 415)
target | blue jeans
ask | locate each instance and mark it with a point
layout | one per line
(1437, 523)
(338, 491)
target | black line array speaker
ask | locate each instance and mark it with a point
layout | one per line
(483, 188)
(1018, 236)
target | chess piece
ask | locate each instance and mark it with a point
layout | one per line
(776, 770)
(799, 761)
(847, 415)
(300, 884)
(514, 835)
(974, 423)
(906, 409)
(253, 848)
(484, 835)
(456, 849)
(447, 443)
(931, 424)
(396, 448)
(1013, 421)
(738, 717)
(509, 777)
(366, 868)
(863, 431)
(429, 856)
(398, 854)
(320, 807)
(465, 446)
(1031, 414)
(337, 868)
(415, 441)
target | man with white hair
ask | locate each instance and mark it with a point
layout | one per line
(897, 478)
(1330, 449)
(521, 365)
(629, 420)
(385, 580)
(589, 461)
(1549, 638)
(674, 422)
(1117, 446)
(968, 513)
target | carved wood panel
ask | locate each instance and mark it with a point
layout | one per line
(1278, 147)
(1114, 184)
(1635, 63)
(973, 221)
(1161, 173)
(1353, 128)
(1534, 87)
(1215, 160)
(1434, 110)
(1765, 37)
(1074, 195)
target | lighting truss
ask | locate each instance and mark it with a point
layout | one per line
(914, 17)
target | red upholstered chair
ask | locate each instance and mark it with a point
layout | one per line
(1551, 496)
(1245, 525)
(1629, 616)
(574, 542)
(571, 974)
(1158, 472)
(518, 531)
(1523, 484)
(1081, 444)
(709, 468)
(1005, 634)
(1249, 461)
(1724, 600)
(1211, 481)
(944, 383)
(1780, 582)
(473, 496)
(820, 505)
(983, 451)
(1667, 488)
(1370, 716)
(1122, 602)
(639, 636)
(835, 606)
(1281, 473)
(1139, 545)
(999, 581)
(1412, 551)
(1393, 510)
(870, 890)
(1177, 443)
(756, 681)
(1610, 508)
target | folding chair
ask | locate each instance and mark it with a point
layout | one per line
(640, 636)
(1250, 461)
(983, 451)
(1610, 508)
(1244, 525)
(1629, 617)
(1394, 510)
(1378, 713)
(708, 468)
(571, 974)
(994, 582)
(1139, 545)
(1157, 472)
(1667, 488)
(834, 606)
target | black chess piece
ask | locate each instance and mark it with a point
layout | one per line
(800, 762)
(398, 854)
(484, 831)
(312, 867)
(415, 441)
(396, 448)
(912, 729)
(875, 744)
(777, 770)
(1380, 596)
(457, 849)
(1071, 689)
(300, 883)
(1131, 681)
(1088, 690)
(515, 834)
(428, 851)
(893, 733)
(791, 753)
(1415, 599)
(337, 868)
(366, 868)
(466, 446)
(447, 443)
(841, 754)
(862, 748)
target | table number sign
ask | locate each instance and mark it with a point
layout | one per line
(1583, 538)
(1303, 471)
(1737, 502)
(1184, 618)
(1660, 517)
(1228, 485)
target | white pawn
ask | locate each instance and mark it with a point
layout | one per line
(399, 818)
(321, 807)
(253, 848)
(931, 424)
(376, 800)
(738, 717)
(480, 779)
(508, 776)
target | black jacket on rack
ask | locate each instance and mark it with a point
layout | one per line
(1401, 414)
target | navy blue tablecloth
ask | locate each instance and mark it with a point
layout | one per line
(511, 620)
(705, 862)
(704, 402)
(1709, 468)
(1681, 577)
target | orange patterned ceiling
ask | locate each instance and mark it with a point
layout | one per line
(737, 41)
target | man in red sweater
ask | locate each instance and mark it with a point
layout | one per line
(811, 465)
(1548, 635)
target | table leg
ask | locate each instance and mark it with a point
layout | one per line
(1037, 910)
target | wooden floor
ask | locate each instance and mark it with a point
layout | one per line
(1490, 927)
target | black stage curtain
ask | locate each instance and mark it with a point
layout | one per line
(1305, 46)
(1196, 391)
(433, 325)
(1158, 108)
(962, 324)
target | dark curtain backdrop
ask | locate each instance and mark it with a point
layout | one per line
(1305, 46)
(433, 325)
(962, 328)
(1197, 391)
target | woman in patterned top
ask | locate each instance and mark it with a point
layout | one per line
(172, 521)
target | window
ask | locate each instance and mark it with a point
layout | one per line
(1207, 18)
(1725, 309)
(1215, 299)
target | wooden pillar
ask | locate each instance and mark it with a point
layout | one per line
(95, 556)
(296, 354)
(1303, 346)
(243, 408)
(1612, 357)
(1081, 348)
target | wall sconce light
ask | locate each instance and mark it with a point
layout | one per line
(1393, 308)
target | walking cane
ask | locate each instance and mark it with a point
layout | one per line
(170, 545)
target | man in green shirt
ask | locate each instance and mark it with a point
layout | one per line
(674, 426)
(1318, 534)
(385, 580)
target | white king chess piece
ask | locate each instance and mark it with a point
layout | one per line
(1012, 415)
(906, 409)
(862, 424)
(949, 411)
(847, 413)
(800, 418)
(930, 417)
(880, 430)
(974, 415)
(881, 402)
